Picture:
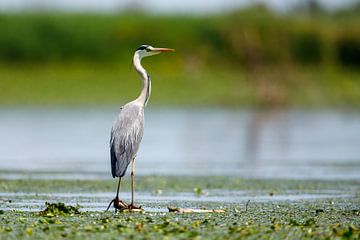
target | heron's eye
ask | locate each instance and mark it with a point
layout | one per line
(147, 49)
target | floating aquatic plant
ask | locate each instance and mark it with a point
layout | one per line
(53, 209)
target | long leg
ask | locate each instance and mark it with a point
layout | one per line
(132, 182)
(118, 188)
(117, 195)
(132, 206)
(118, 204)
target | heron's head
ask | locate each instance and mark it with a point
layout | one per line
(147, 50)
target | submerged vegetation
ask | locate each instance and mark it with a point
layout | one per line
(250, 57)
(267, 220)
(198, 185)
(319, 218)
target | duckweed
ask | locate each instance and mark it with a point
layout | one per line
(330, 218)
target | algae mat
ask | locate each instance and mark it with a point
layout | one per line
(277, 209)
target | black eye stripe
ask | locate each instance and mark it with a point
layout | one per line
(143, 47)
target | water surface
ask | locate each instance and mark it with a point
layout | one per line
(34, 201)
(73, 143)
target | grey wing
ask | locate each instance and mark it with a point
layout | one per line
(126, 135)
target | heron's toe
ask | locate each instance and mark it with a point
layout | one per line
(134, 207)
(120, 204)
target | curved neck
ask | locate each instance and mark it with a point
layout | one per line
(146, 82)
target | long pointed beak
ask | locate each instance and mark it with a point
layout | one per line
(164, 50)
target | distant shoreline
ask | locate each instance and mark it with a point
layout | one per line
(161, 7)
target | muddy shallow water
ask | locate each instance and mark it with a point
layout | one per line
(32, 201)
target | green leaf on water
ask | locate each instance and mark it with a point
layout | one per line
(54, 209)
(29, 231)
(198, 191)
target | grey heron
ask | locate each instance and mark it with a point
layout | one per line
(128, 128)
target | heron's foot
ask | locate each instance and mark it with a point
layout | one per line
(134, 207)
(118, 204)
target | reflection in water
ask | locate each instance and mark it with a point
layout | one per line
(282, 144)
(258, 126)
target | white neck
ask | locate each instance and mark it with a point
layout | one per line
(146, 82)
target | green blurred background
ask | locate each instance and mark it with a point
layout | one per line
(248, 57)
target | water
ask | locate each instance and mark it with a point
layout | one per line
(73, 143)
(32, 201)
